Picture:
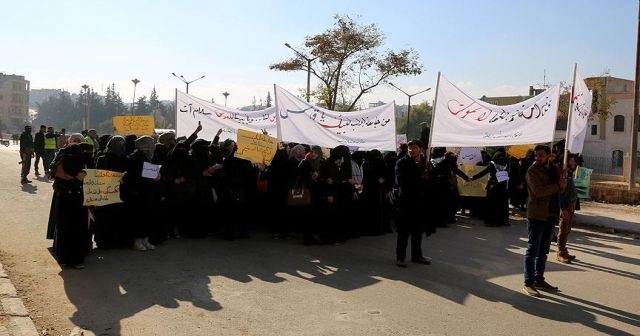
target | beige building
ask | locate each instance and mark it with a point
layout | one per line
(14, 103)
(608, 139)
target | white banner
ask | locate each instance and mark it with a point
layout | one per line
(464, 121)
(301, 122)
(579, 115)
(213, 117)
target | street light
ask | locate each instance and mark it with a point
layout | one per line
(86, 98)
(133, 104)
(225, 94)
(184, 80)
(309, 60)
(409, 108)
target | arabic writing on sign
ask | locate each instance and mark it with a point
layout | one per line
(245, 118)
(500, 135)
(580, 106)
(341, 124)
(476, 112)
(256, 147)
(193, 111)
(138, 125)
(101, 187)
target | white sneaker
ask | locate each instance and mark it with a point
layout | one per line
(147, 244)
(138, 245)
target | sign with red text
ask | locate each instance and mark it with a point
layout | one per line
(461, 120)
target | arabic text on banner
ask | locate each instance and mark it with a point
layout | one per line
(101, 187)
(476, 188)
(138, 125)
(301, 122)
(582, 181)
(463, 121)
(256, 147)
(191, 110)
(579, 115)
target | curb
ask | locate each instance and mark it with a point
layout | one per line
(13, 312)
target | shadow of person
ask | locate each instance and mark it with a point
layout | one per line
(117, 284)
(29, 188)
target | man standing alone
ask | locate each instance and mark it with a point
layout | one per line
(38, 144)
(26, 151)
(411, 182)
(543, 183)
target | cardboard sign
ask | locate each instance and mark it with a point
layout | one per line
(476, 188)
(101, 187)
(582, 180)
(150, 170)
(502, 176)
(469, 156)
(138, 125)
(520, 151)
(256, 147)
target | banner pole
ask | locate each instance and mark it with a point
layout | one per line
(275, 102)
(433, 117)
(175, 102)
(566, 141)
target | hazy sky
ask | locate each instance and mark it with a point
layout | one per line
(487, 47)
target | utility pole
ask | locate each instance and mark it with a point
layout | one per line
(133, 103)
(225, 94)
(634, 118)
(184, 80)
(409, 107)
(86, 99)
(309, 60)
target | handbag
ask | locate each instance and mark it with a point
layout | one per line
(298, 197)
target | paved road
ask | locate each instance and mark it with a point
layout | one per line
(264, 287)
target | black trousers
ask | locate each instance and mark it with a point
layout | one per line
(26, 165)
(406, 230)
(38, 157)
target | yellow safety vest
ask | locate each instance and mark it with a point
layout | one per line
(50, 143)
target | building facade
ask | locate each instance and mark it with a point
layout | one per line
(608, 139)
(14, 103)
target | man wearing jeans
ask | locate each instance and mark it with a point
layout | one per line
(543, 183)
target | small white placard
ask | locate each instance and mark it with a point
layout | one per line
(502, 176)
(150, 170)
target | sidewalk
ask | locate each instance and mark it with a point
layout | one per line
(14, 317)
(617, 217)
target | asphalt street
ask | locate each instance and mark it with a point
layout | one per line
(261, 286)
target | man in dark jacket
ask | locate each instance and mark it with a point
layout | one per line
(411, 182)
(544, 182)
(26, 151)
(38, 144)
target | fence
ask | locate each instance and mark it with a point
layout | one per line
(607, 165)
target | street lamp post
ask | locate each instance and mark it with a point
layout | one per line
(184, 80)
(409, 107)
(133, 103)
(225, 94)
(309, 60)
(86, 100)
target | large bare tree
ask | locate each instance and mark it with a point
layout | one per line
(349, 62)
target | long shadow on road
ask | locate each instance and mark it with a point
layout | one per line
(118, 284)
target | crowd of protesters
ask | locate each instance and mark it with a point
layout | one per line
(327, 199)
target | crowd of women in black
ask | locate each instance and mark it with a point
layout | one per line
(204, 189)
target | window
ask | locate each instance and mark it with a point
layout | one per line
(616, 159)
(561, 124)
(594, 129)
(618, 123)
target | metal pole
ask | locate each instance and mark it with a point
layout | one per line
(433, 117)
(408, 115)
(635, 118)
(566, 139)
(133, 103)
(308, 78)
(187, 88)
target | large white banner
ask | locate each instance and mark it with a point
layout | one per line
(213, 117)
(463, 121)
(301, 122)
(579, 115)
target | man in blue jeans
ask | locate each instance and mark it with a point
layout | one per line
(544, 182)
